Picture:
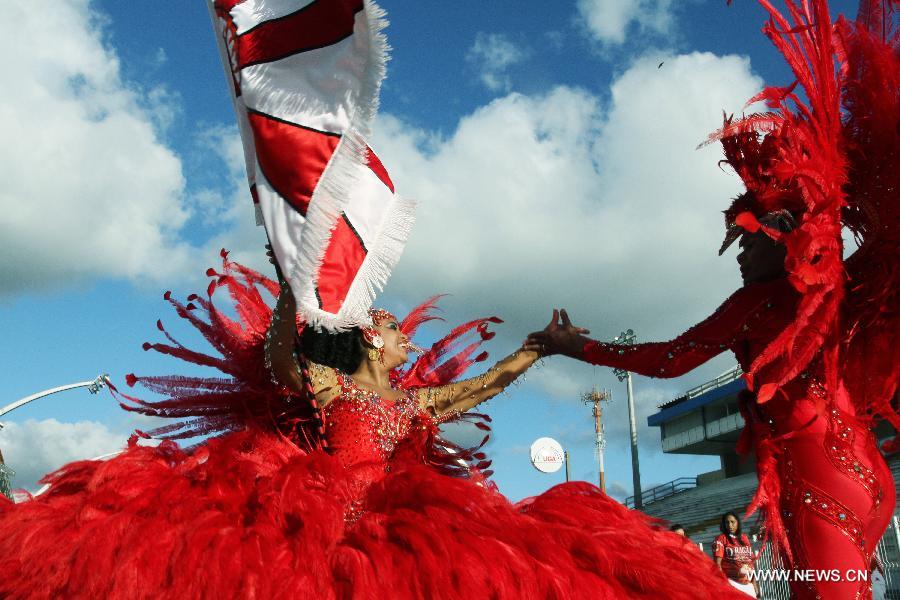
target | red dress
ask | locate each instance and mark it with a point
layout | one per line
(822, 476)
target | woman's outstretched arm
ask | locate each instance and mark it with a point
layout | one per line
(468, 393)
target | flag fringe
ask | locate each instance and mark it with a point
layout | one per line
(332, 195)
(373, 273)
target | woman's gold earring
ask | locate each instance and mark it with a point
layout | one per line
(373, 354)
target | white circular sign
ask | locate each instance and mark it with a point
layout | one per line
(547, 455)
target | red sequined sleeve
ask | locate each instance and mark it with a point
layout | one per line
(731, 322)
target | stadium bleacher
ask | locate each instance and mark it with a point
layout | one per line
(699, 509)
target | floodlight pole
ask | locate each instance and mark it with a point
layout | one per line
(566, 459)
(94, 386)
(595, 397)
(626, 338)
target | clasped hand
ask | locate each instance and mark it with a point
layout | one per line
(560, 336)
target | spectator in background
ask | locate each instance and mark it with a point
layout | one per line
(734, 555)
(677, 528)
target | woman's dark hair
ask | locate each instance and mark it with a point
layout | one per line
(676, 527)
(723, 525)
(342, 351)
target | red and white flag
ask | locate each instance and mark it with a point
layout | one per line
(305, 78)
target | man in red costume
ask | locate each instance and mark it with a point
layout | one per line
(816, 335)
(836, 492)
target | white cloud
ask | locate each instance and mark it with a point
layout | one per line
(611, 21)
(558, 379)
(556, 200)
(34, 448)
(89, 189)
(493, 54)
(232, 209)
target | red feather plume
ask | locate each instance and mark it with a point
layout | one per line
(246, 394)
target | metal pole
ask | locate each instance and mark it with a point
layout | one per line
(93, 386)
(566, 458)
(627, 338)
(595, 397)
(602, 475)
(635, 462)
(598, 428)
(598, 423)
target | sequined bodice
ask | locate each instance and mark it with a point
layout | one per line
(363, 427)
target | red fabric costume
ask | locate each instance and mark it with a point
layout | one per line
(820, 348)
(263, 511)
(835, 492)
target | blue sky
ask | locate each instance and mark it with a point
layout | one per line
(553, 159)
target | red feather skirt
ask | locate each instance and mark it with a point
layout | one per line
(250, 515)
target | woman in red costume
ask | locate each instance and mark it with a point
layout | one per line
(333, 486)
(816, 336)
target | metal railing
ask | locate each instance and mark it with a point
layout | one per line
(888, 552)
(727, 377)
(771, 588)
(664, 491)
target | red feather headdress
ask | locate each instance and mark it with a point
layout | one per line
(829, 160)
